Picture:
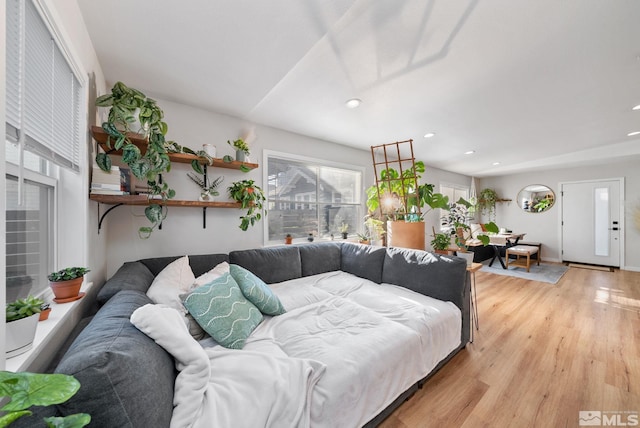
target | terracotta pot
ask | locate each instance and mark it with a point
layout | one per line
(66, 289)
(44, 315)
(406, 235)
(288, 239)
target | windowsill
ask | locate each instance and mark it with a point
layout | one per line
(44, 332)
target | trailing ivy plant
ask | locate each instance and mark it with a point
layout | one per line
(487, 202)
(124, 104)
(251, 198)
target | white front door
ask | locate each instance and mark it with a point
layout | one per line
(591, 222)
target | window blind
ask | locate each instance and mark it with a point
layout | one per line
(42, 91)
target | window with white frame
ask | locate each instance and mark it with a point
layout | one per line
(308, 196)
(44, 107)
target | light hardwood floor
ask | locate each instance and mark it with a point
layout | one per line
(543, 353)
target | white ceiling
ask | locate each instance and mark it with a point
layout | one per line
(527, 83)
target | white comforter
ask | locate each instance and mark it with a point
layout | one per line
(345, 349)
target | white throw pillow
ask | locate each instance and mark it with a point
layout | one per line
(214, 273)
(173, 280)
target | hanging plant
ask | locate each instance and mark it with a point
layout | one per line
(126, 105)
(251, 198)
(132, 111)
(487, 202)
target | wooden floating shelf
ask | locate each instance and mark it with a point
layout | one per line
(144, 200)
(101, 137)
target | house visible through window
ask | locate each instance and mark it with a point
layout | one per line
(28, 238)
(311, 197)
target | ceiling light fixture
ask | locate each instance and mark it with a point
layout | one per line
(353, 103)
(631, 134)
(469, 152)
(636, 107)
(496, 163)
(429, 135)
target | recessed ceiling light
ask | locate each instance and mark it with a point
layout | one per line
(353, 103)
(496, 163)
(636, 107)
(429, 135)
(631, 134)
(469, 152)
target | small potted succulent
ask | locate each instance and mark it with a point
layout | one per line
(344, 230)
(45, 310)
(251, 198)
(66, 283)
(288, 239)
(363, 238)
(22, 321)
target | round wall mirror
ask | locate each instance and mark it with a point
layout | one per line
(536, 198)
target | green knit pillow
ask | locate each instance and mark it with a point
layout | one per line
(257, 291)
(222, 311)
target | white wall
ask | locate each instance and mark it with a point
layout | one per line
(545, 227)
(182, 231)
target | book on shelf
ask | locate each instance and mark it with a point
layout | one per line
(99, 176)
(105, 186)
(108, 192)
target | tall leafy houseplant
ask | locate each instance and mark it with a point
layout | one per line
(387, 200)
(251, 198)
(125, 106)
(36, 389)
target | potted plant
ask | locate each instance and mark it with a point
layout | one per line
(456, 220)
(363, 238)
(251, 198)
(125, 106)
(487, 203)
(37, 389)
(398, 199)
(441, 242)
(374, 229)
(288, 239)
(22, 321)
(207, 189)
(344, 230)
(66, 283)
(45, 310)
(241, 148)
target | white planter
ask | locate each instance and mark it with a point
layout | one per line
(20, 335)
(467, 256)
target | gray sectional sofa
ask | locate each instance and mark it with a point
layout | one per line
(127, 379)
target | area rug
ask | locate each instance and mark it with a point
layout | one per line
(550, 273)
